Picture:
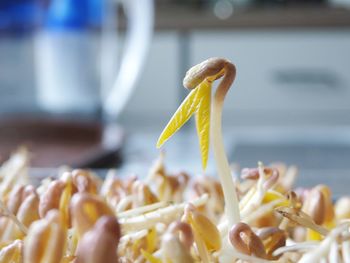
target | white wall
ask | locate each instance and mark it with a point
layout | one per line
(284, 77)
(317, 91)
(157, 93)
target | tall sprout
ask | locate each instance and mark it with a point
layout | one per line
(199, 80)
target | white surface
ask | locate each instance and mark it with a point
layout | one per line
(261, 56)
(157, 92)
(182, 153)
(259, 96)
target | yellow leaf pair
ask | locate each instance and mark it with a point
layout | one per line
(197, 102)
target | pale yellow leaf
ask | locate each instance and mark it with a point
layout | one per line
(187, 108)
(203, 120)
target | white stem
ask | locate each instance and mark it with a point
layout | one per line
(124, 203)
(162, 215)
(333, 256)
(202, 250)
(8, 213)
(346, 251)
(322, 250)
(259, 212)
(228, 254)
(228, 186)
(133, 236)
(256, 199)
(143, 209)
(318, 253)
(305, 246)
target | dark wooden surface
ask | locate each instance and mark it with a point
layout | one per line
(177, 18)
(55, 141)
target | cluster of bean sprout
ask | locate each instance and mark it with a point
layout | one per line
(76, 217)
(80, 218)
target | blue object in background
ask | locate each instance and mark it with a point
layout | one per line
(67, 14)
(96, 12)
(65, 57)
(73, 14)
(18, 15)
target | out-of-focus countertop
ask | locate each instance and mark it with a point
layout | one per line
(181, 18)
(320, 158)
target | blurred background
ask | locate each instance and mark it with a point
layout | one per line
(61, 94)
